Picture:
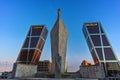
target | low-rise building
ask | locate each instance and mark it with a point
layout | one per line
(44, 66)
(92, 71)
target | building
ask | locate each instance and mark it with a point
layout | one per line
(44, 66)
(33, 45)
(92, 71)
(59, 38)
(100, 48)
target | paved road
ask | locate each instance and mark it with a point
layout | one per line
(50, 79)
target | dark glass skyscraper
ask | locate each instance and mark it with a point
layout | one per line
(100, 48)
(33, 45)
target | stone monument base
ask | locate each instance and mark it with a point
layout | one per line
(93, 71)
(23, 70)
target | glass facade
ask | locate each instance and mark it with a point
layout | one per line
(34, 41)
(93, 29)
(95, 59)
(99, 52)
(96, 40)
(26, 43)
(36, 30)
(89, 44)
(105, 41)
(100, 48)
(33, 45)
(109, 54)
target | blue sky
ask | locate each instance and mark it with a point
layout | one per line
(16, 16)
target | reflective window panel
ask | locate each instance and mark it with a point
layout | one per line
(96, 40)
(93, 29)
(40, 45)
(94, 57)
(89, 43)
(105, 41)
(45, 33)
(23, 55)
(34, 41)
(99, 52)
(36, 30)
(26, 43)
(109, 54)
(31, 53)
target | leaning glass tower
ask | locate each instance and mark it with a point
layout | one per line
(33, 45)
(100, 47)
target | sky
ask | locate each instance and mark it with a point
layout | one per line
(16, 17)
